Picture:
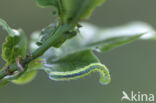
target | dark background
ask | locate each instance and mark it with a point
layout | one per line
(132, 66)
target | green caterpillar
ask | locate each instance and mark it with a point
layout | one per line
(75, 74)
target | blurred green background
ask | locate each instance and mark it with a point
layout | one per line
(132, 67)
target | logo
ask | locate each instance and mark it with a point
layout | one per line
(137, 97)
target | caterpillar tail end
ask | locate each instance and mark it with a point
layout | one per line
(105, 78)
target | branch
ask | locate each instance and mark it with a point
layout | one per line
(40, 51)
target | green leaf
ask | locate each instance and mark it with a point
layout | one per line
(15, 44)
(14, 47)
(25, 78)
(113, 42)
(72, 9)
(73, 61)
(104, 39)
(81, 9)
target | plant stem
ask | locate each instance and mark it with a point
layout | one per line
(40, 51)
